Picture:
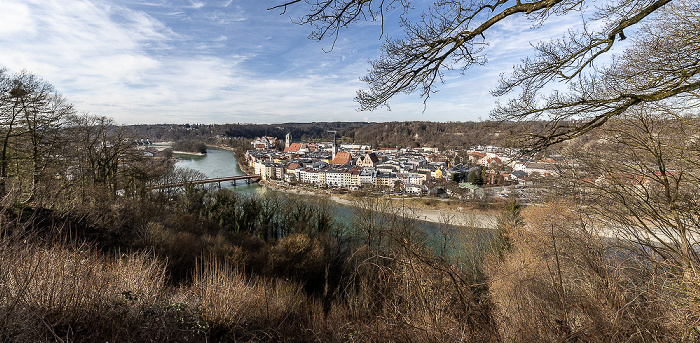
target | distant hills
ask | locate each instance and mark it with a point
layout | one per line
(389, 134)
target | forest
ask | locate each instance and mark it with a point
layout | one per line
(188, 145)
(455, 135)
(92, 250)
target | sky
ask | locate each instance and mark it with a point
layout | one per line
(228, 61)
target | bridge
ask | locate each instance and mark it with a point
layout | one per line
(248, 179)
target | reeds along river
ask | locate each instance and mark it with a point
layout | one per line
(450, 240)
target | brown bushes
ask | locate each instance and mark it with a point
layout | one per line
(241, 305)
(72, 292)
(548, 278)
(66, 291)
(561, 282)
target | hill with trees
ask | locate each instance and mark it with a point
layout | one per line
(390, 134)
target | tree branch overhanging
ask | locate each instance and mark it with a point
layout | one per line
(453, 34)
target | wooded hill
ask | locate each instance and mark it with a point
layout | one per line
(391, 134)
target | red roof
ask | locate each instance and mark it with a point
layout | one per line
(294, 147)
(342, 158)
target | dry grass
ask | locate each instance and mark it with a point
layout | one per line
(70, 288)
(410, 295)
(229, 299)
(561, 283)
(557, 281)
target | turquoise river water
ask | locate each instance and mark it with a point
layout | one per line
(223, 163)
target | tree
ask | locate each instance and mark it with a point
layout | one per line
(43, 114)
(476, 176)
(9, 109)
(100, 151)
(642, 178)
(660, 63)
(31, 116)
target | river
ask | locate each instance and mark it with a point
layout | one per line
(222, 163)
(217, 163)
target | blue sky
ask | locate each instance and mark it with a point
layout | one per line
(227, 61)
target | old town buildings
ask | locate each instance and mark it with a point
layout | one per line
(410, 170)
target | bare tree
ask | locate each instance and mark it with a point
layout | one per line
(32, 114)
(9, 109)
(101, 151)
(43, 112)
(642, 178)
(660, 63)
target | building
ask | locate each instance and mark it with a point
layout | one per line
(262, 143)
(367, 176)
(368, 160)
(342, 158)
(386, 180)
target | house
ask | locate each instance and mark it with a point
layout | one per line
(262, 143)
(322, 176)
(474, 190)
(417, 178)
(517, 175)
(291, 172)
(477, 157)
(348, 146)
(416, 189)
(368, 160)
(486, 159)
(294, 148)
(308, 175)
(367, 176)
(292, 169)
(456, 173)
(355, 177)
(268, 171)
(342, 158)
(386, 179)
(541, 168)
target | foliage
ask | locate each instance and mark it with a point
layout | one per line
(188, 145)
(476, 176)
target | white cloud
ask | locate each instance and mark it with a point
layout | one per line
(112, 60)
(15, 17)
(196, 4)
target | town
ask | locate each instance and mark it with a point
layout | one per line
(475, 173)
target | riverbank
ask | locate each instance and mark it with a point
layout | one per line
(188, 153)
(160, 146)
(425, 209)
(465, 217)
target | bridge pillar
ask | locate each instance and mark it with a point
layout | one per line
(233, 183)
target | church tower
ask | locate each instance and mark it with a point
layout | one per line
(287, 140)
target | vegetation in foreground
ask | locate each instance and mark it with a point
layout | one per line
(190, 275)
(92, 250)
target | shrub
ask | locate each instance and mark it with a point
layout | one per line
(246, 307)
(575, 283)
(70, 291)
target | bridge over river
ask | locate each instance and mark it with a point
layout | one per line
(247, 178)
